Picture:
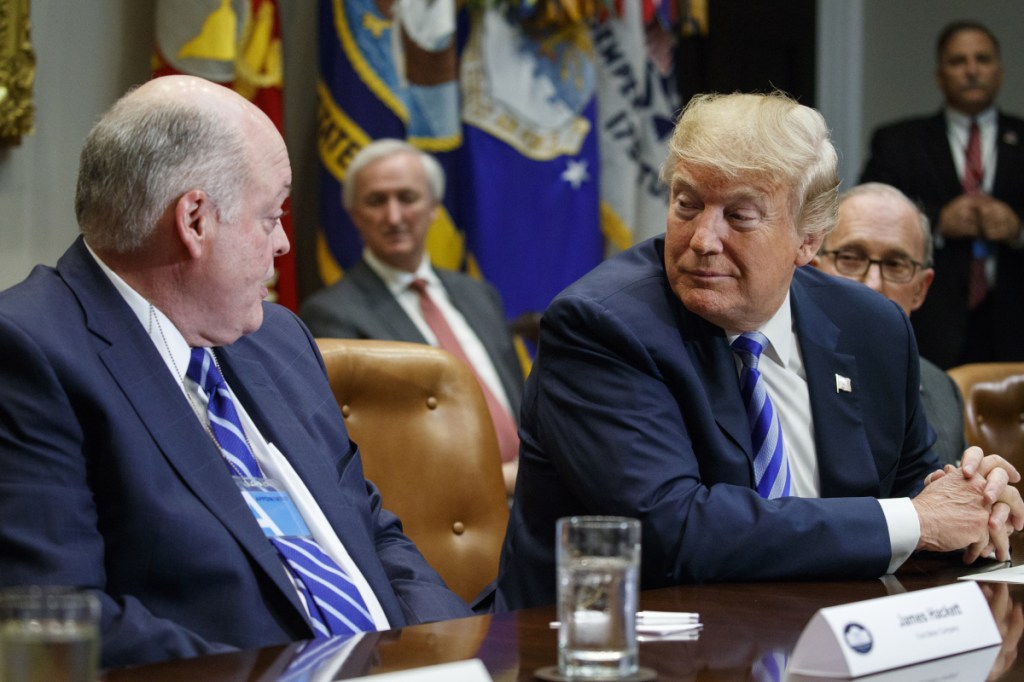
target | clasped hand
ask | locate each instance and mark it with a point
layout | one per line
(973, 507)
(977, 215)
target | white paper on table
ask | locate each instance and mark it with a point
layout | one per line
(1013, 574)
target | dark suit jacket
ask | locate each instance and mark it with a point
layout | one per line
(914, 156)
(360, 306)
(110, 482)
(633, 408)
(944, 407)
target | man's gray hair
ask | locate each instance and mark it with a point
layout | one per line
(880, 189)
(143, 155)
(383, 148)
(768, 138)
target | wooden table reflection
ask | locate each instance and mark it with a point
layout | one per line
(742, 623)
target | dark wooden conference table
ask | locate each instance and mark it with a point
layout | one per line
(742, 623)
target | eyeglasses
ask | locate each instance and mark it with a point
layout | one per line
(895, 269)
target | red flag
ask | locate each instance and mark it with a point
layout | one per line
(236, 43)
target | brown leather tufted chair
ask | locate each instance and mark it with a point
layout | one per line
(994, 407)
(428, 444)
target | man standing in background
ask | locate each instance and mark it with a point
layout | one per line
(965, 165)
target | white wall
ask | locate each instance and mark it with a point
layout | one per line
(87, 54)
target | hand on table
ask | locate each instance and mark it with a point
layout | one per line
(955, 500)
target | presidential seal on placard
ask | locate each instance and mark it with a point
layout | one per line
(858, 638)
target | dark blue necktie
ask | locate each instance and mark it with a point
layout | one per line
(771, 470)
(333, 601)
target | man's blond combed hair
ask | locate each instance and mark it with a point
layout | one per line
(769, 139)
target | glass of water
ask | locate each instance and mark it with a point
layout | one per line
(49, 634)
(598, 580)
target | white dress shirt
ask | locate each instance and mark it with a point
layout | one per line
(398, 281)
(176, 353)
(782, 369)
(958, 130)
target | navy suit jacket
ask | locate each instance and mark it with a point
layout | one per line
(361, 306)
(914, 156)
(111, 483)
(633, 408)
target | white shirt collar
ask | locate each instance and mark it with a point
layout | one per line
(165, 336)
(398, 281)
(779, 331)
(962, 120)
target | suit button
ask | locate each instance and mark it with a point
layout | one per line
(431, 403)
(346, 411)
(458, 528)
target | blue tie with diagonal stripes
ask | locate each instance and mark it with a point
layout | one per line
(334, 604)
(771, 469)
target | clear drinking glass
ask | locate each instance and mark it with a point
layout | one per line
(49, 634)
(598, 581)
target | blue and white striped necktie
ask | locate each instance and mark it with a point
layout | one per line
(334, 604)
(771, 469)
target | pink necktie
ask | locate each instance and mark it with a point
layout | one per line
(504, 425)
(977, 284)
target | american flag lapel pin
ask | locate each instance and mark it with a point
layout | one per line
(843, 384)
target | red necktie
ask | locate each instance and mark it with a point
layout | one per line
(977, 283)
(504, 425)
(973, 172)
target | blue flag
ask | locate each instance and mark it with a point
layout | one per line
(384, 76)
(514, 130)
(531, 155)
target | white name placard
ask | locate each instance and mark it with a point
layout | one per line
(891, 632)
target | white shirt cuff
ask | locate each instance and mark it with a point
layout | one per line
(904, 529)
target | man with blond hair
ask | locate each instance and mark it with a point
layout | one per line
(761, 419)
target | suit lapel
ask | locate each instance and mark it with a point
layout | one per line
(162, 409)
(384, 306)
(845, 462)
(939, 156)
(1009, 160)
(715, 365)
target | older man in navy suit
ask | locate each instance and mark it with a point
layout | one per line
(761, 419)
(117, 473)
(965, 165)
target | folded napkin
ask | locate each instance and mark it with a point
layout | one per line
(664, 626)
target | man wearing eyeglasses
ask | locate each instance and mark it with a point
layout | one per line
(884, 241)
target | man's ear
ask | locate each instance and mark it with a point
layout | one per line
(921, 288)
(192, 214)
(808, 249)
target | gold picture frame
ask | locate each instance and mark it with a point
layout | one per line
(17, 72)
